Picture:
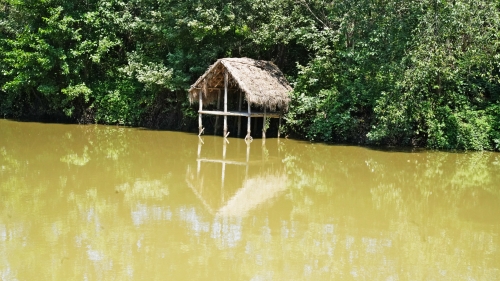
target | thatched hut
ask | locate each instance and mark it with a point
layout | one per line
(261, 82)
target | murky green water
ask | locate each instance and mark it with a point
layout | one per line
(111, 203)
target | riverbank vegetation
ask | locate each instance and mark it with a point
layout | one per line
(417, 73)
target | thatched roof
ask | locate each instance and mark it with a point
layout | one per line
(255, 192)
(261, 81)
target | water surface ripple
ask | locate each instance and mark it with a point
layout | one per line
(112, 203)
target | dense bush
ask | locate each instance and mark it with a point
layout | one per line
(420, 73)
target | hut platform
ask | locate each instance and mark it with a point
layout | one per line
(242, 113)
(236, 162)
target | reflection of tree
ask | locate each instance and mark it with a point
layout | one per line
(421, 202)
(70, 220)
(75, 159)
(394, 176)
(347, 213)
(141, 189)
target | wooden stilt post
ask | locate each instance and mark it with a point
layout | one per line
(248, 137)
(248, 152)
(199, 147)
(225, 101)
(264, 124)
(224, 147)
(248, 160)
(200, 100)
(198, 168)
(217, 116)
(239, 117)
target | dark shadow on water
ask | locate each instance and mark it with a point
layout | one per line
(381, 148)
(384, 148)
(272, 134)
(44, 120)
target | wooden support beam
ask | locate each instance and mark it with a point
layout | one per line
(239, 117)
(248, 136)
(264, 124)
(225, 101)
(217, 116)
(242, 113)
(200, 100)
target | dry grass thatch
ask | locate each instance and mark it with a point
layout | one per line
(261, 81)
(255, 192)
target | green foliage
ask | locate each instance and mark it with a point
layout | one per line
(323, 118)
(493, 112)
(418, 73)
(450, 71)
(400, 73)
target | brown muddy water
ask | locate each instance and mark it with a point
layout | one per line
(111, 203)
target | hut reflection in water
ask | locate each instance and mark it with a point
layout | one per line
(247, 180)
